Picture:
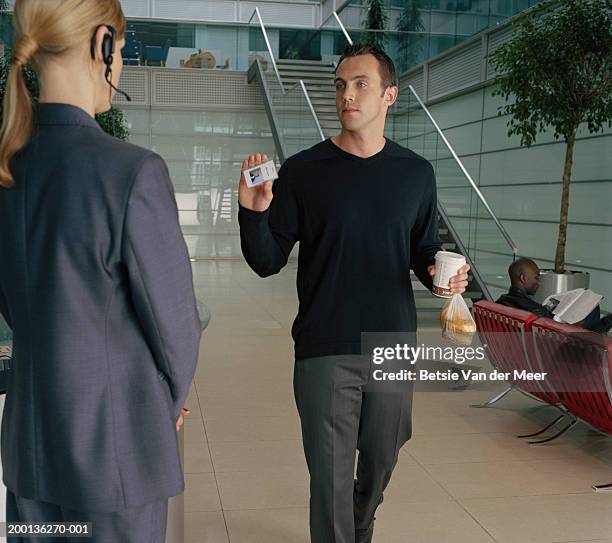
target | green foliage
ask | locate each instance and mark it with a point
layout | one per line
(5, 331)
(112, 122)
(558, 68)
(410, 44)
(376, 19)
(31, 80)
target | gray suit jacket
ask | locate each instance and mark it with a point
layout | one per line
(95, 282)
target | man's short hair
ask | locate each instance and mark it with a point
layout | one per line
(386, 66)
(520, 266)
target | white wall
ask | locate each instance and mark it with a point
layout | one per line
(523, 185)
(274, 12)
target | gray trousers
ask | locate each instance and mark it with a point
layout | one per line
(341, 412)
(144, 524)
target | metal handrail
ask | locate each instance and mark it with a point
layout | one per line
(312, 111)
(462, 249)
(256, 71)
(467, 175)
(343, 28)
(276, 132)
(265, 35)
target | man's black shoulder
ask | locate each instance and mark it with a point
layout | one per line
(319, 151)
(506, 299)
(397, 150)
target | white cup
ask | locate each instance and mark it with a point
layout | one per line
(447, 265)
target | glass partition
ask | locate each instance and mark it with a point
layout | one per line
(485, 241)
(204, 151)
(417, 30)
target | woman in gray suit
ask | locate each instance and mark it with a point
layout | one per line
(95, 283)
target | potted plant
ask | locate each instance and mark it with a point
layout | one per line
(558, 68)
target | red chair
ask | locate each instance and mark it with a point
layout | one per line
(578, 364)
(506, 332)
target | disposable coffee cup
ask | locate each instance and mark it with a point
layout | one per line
(447, 265)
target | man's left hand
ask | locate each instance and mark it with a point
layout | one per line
(458, 283)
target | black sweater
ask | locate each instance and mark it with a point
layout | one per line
(362, 223)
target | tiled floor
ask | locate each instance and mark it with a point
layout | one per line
(463, 477)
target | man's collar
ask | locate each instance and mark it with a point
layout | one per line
(48, 113)
(519, 291)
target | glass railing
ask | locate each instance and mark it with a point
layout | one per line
(482, 237)
(292, 117)
(417, 31)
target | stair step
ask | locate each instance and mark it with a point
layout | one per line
(318, 86)
(289, 61)
(322, 96)
(323, 104)
(321, 92)
(322, 101)
(330, 110)
(310, 76)
(312, 68)
(329, 125)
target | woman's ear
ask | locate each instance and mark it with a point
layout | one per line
(96, 43)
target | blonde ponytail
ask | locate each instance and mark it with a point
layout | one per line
(17, 109)
(44, 28)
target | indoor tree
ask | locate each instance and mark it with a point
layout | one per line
(410, 44)
(376, 19)
(558, 69)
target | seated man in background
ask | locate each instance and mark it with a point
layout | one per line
(525, 281)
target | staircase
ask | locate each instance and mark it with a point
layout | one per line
(319, 80)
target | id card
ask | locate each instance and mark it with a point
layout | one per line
(260, 174)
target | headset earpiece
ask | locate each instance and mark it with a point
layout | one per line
(108, 44)
(108, 49)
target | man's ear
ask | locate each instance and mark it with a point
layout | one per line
(391, 95)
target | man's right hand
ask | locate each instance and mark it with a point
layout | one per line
(259, 197)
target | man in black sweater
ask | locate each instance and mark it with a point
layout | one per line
(364, 212)
(525, 281)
